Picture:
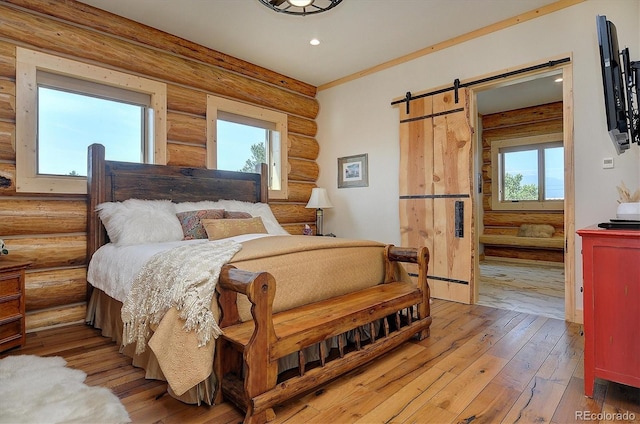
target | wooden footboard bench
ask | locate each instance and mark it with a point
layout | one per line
(247, 353)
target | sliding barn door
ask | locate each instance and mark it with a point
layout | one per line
(436, 208)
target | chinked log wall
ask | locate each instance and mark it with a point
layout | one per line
(50, 232)
(527, 122)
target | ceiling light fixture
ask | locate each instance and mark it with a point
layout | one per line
(300, 7)
(300, 3)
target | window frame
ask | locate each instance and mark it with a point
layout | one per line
(219, 104)
(28, 63)
(496, 174)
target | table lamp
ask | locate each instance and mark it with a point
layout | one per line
(319, 200)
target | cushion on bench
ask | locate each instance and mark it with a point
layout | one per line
(536, 230)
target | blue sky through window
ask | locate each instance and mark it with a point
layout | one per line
(234, 144)
(68, 123)
(554, 178)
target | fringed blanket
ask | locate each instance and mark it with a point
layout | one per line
(184, 278)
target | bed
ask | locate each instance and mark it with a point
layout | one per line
(306, 270)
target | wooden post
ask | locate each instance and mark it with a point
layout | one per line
(421, 258)
(424, 308)
(261, 293)
(96, 195)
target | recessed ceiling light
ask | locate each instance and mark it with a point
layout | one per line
(314, 42)
(559, 79)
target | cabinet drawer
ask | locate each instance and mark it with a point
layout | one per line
(11, 330)
(10, 308)
(10, 284)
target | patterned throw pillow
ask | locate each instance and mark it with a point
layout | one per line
(236, 215)
(191, 222)
(222, 228)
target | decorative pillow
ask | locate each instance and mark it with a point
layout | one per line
(137, 221)
(191, 222)
(254, 209)
(223, 228)
(236, 215)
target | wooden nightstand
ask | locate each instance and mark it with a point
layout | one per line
(12, 321)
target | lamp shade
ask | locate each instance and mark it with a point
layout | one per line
(319, 199)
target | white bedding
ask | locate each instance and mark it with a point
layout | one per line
(113, 268)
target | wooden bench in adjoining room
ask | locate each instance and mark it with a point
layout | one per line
(555, 243)
(247, 353)
(505, 242)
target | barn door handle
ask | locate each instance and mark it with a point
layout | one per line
(459, 218)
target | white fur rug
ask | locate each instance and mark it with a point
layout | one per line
(36, 389)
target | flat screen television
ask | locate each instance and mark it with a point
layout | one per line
(631, 75)
(619, 78)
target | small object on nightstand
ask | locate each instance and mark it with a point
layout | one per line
(307, 230)
(12, 304)
(329, 235)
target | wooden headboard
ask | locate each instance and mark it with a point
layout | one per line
(111, 181)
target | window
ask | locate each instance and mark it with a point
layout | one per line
(76, 105)
(242, 136)
(72, 114)
(528, 173)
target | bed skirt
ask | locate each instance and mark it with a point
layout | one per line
(103, 312)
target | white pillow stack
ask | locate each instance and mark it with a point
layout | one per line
(137, 221)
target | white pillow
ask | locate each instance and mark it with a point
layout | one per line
(137, 221)
(255, 209)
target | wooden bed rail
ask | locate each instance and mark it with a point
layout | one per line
(247, 353)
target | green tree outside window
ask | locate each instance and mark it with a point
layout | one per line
(258, 156)
(513, 190)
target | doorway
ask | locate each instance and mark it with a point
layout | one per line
(518, 273)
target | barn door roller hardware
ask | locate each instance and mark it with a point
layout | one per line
(457, 85)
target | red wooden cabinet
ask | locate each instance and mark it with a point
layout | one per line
(611, 273)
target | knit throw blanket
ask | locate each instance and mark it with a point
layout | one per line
(184, 278)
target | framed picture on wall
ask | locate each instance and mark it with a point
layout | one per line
(353, 171)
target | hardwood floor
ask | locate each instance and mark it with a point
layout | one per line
(480, 364)
(522, 287)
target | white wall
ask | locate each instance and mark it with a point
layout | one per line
(356, 117)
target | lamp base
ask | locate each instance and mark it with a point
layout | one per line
(319, 218)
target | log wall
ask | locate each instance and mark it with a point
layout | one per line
(527, 122)
(50, 231)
